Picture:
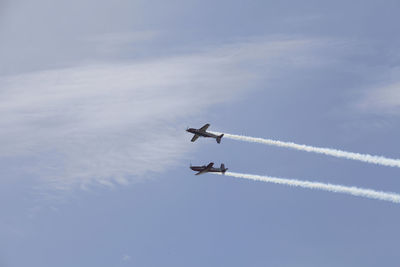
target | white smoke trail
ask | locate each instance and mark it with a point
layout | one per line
(326, 151)
(355, 191)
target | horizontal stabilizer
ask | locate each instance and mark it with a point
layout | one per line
(219, 138)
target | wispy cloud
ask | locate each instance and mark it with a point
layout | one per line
(126, 258)
(383, 99)
(108, 123)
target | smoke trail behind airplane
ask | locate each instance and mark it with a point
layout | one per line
(351, 190)
(379, 160)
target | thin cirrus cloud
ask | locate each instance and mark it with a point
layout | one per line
(382, 99)
(113, 123)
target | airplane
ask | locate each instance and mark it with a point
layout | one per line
(208, 168)
(203, 132)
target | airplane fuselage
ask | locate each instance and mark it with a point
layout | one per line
(201, 133)
(209, 168)
(201, 168)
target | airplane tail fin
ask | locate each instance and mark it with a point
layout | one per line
(223, 169)
(219, 138)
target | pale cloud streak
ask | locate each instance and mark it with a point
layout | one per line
(382, 99)
(126, 258)
(113, 123)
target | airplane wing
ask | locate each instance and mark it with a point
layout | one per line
(204, 128)
(195, 137)
(206, 169)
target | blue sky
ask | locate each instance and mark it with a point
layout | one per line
(95, 97)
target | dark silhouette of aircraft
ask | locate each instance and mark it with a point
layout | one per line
(203, 132)
(208, 168)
